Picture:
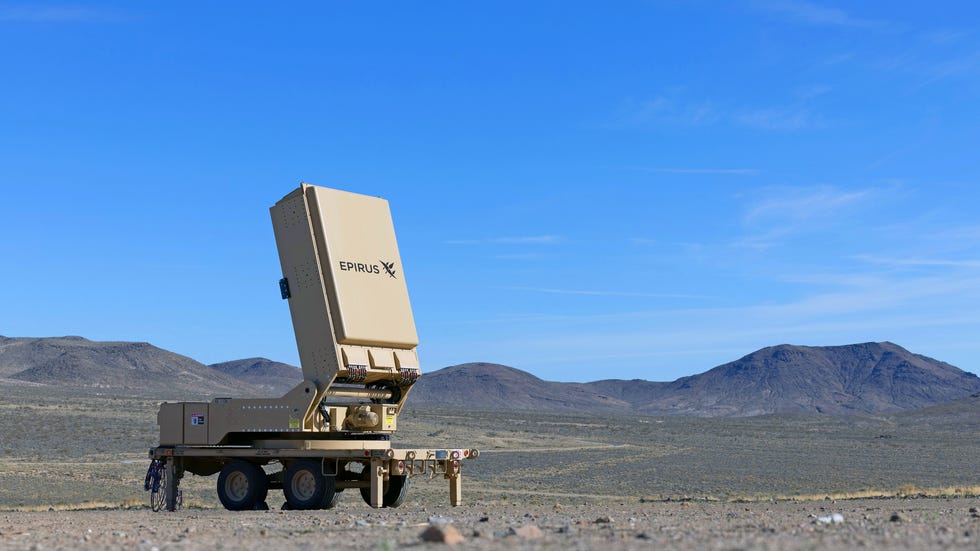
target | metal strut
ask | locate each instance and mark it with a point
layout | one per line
(172, 487)
(371, 393)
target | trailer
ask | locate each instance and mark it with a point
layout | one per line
(348, 300)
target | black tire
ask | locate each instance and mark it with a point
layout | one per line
(333, 501)
(306, 487)
(242, 485)
(394, 493)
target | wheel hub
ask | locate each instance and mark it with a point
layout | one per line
(303, 485)
(236, 485)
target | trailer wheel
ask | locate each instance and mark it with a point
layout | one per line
(332, 502)
(306, 487)
(241, 485)
(394, 494)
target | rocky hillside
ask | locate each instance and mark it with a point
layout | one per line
(493, 386)
(958, 417)
(274, 378)
(869, 378)
(834, 380)
(136, 368)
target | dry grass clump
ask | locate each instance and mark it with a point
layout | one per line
(905, 491)
(83, 506)
(92, 454)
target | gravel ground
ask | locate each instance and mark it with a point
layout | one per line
(923, 523)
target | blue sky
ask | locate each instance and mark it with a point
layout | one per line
(583, 190)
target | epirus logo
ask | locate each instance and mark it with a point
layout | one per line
(363, 268)
(389, 267)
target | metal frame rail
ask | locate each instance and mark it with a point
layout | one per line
(380, 463)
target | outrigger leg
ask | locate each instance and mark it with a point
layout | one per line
(174, 474)
(377, 483)
(456, 489)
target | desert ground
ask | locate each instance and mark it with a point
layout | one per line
(72, 466)
(874, 524)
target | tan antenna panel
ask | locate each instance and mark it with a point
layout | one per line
(365, 280)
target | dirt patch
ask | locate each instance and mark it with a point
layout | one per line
(71, 463)
(875, 524)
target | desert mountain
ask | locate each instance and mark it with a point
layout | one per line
(492, 386)
(833, 380)
(137, 368)
(870, 378)
(275, 378)
(836, 380)
(960, 416)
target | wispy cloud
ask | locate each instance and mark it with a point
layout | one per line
(917, 262)
(645, 241)
(928, 57)
(930, 63)
(53, 14)
(524, 256)
(733, 171)
(760, 242)
(894, 154)
(968, 234)
(967, 64)
(796, 114)
(928, 68)
(944, 37)
(848, 263)
(519, 240)
(775, 215)
(662, 108)
(874, 308)
(858, 295)
(533, 240)
(816, 14)
(598, 293)
(804, 203)
(776, 118)
(812, 91)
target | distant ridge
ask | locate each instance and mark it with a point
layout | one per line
(960, 416)
(494, 386)
(275, 377)
(835, 380)
(867, 378)
(135, 368)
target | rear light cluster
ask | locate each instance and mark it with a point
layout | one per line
(408, 464)
(463, 454)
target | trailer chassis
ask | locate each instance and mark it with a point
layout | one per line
(380, 472)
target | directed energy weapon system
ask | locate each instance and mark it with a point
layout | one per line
(347, 295)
